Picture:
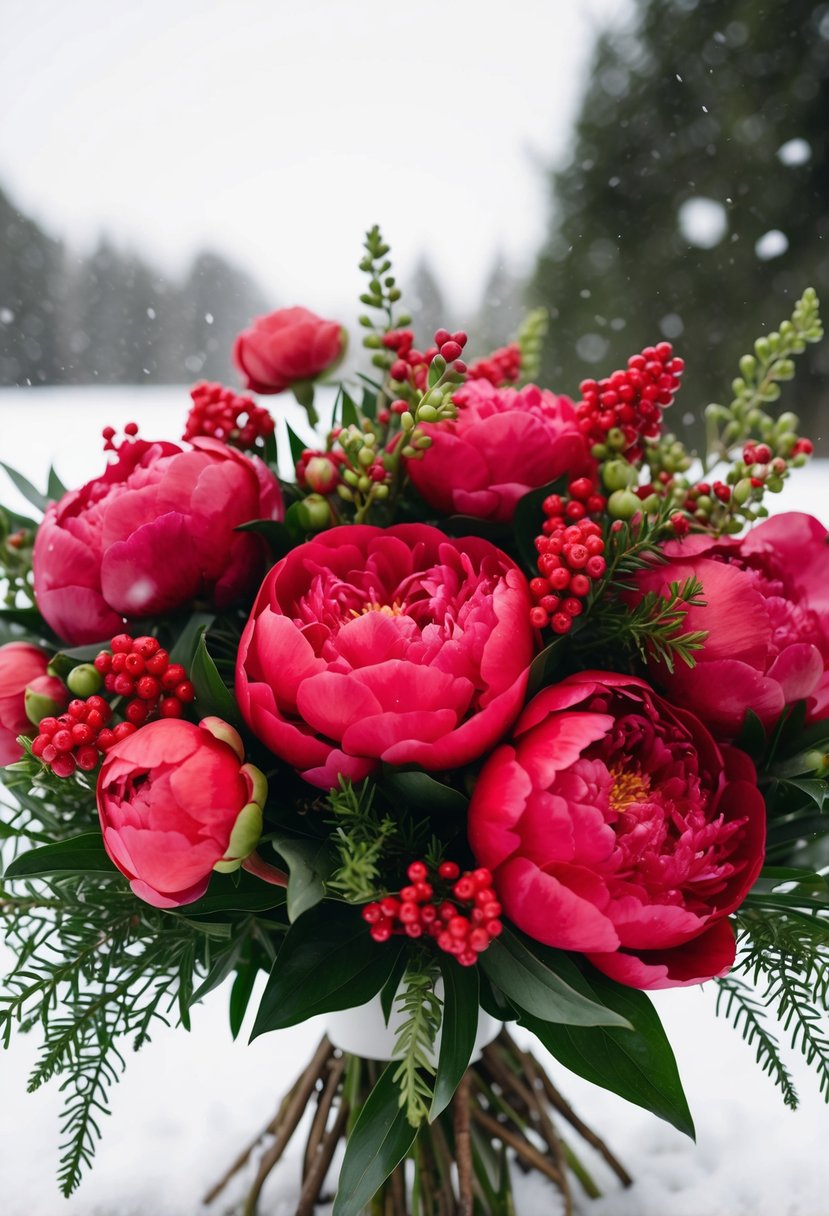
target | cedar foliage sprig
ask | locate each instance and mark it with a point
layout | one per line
(94, 967)
(654, 627)
(361, 834)
(415, 1042)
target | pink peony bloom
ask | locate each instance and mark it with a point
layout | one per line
(152, 533)
(175, 803)
(22, 667)
(385, 644)
(503, 443)
(616, 827)
(286, 347)
(767, 617)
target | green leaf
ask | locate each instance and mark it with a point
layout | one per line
(212, 694)
(380, 1139)
(529, 976)
(752, 736)
(296, 444)
(309, 865)
(637, 1064)
(459, 1026)
(239, 892)
(280, 539)
(240, 995)
(389, 990)
(25, 487)
(225, 963)
(66, 660)
(419, 789)
(55, 487)
(813, 787)
(328, 961)
(545, 667)
(184, 648)
(84, 854)
(528, 518)
(348, 410)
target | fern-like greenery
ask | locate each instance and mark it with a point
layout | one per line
(653, 628)
(785, 952)
(95, 968)
(360, 837)
(415, 1041)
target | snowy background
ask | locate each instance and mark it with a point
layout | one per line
(190, 1102)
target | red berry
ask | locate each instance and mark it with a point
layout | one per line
(121, 644)
(170, 707)
(87, 758)
(417, 871)
(64, 765)
(449, 870)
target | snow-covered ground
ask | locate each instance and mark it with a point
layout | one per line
(189, 1102)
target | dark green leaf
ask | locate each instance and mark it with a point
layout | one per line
(280, 539)
(389, 989)
(239, 892)
(212, 694)
(752, 736)
(15, 521)
(348, 410)
(29, 618)
(223, 965)
(418, 789)
(545, 667)
(270, 453)
(815, 789)
(25, 487)
(529, 975)
(380, 1139)
(55, 487)
(528, 518)
(84, 854)
(637, 1064)
(296, 444)
(185, 645)
(459, 1026)
(309, 865)
(470, 525)
(369, 404)
(240, 995)
(65, 660)
(328, 961)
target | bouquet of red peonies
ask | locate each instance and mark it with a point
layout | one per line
(505, 709)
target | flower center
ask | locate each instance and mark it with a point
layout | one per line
(393, 609)
(629, 786)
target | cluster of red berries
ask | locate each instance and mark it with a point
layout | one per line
(140, 669)
(630, 402)
(502, 367)
(463, 925)
(219, 413)
(109, 432)
(570, 557)
(411, 366)
(77, 738)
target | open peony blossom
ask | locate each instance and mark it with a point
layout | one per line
(615, 826)
(22, 670)
(175, 803)
(398, 644)
(152, 533)
(287, 347)
(503, 443)
(767, 617)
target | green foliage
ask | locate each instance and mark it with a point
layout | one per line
(530, 339)
(378, 1142)
(360, 837)
(94, 967)
(415, 1041)
(654, 627)
(737, 1001)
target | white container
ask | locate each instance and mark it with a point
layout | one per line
(362, 1031)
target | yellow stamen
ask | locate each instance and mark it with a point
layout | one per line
(629, 787)
(394, 609)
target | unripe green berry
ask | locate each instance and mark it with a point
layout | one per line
(616, 439)
(381, 490)
(427, 413)
(345, 493)
(623, 504)
(742, 491)
(365, 457)
(732, 527)
(407, 421)
(350, 476)
(84, 680)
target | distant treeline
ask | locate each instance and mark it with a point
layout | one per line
(111, 317)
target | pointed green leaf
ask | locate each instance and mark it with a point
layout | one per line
(327, 961)
(529, 975)
(296, 444)
(184, 648)
(417, 788)
(280, 539)
(380, 1139)
(309, 865)
(84, 854)
(637, 1064)
(212, 694)
(55, 487)
(459, 1026)
(25, 487)
(240, 995)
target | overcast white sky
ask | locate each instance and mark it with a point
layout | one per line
(277, 132)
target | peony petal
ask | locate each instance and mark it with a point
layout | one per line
(330, 703)
(709, 955)
(552, 911)
(497, 804)
(154, 571)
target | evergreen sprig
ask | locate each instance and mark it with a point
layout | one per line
(415, 1042)
(94, 967)
(654, 627)
(361, 834)
(737, 1001)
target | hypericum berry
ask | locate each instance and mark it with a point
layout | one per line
(219, 413)
(461, 919)
(626, 407)
(569, 551)
(502, 367)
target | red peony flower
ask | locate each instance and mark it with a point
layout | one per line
(616, 827)
(175, 803)
(22, 667)
(767, 617)
(285, 347)
(398, 644)
(503, 443)
(152, 533)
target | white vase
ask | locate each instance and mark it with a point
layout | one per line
(362, 1031)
